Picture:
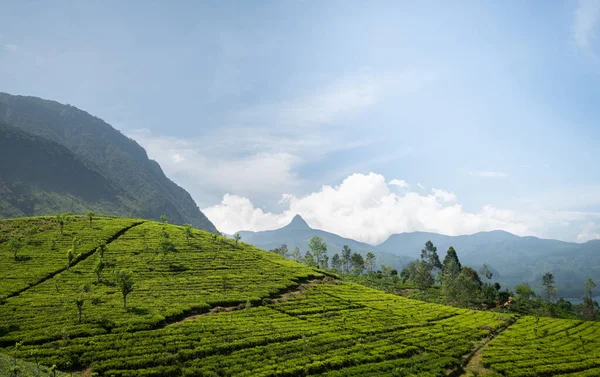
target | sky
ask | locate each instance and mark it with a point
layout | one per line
(366, 118)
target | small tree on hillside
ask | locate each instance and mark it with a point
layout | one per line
(164, 219)
(15, 244)
(282, 250)
(165, 246)
(125, 284)
(79, 303)
(548, 283)
(309, 259)
(98, 268)
(102, 249)
(187, 230)
(237, 238)
(62, 220)
(90, 216)
(370, 261)
(70, 257)
(346, 255)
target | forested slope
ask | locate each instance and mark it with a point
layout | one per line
(100, 147)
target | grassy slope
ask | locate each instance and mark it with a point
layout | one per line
(291, 319)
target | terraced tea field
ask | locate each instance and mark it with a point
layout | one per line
(209, 307)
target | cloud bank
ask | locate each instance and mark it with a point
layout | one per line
(363, 207)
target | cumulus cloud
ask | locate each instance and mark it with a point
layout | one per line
(585, 24)
(364, 208)
(589, 232)
(398, 182)
(488, 174)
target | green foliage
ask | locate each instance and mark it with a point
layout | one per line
(237, 238)
(15, 244)
(318, 249)
(90, 215)
(549, 287)
(125, 283)
(283, 251)
(346, 255)
(357, 263)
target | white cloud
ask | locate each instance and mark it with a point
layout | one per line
(589, 232)
(421, 186)
(398, 182)
(364, 208)
(178, 158)
(488, 174)
(585, 22)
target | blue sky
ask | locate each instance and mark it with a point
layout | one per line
(492, 102)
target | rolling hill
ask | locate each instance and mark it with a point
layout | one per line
(128, 181)
(513, 259)
(210, 307)
(298, 234)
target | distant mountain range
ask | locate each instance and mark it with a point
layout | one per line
(57, 158)
(513, 259)
(298, 234)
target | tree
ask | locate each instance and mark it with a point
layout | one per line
(70, 257)
(62, 220)
(309, 259)
(346, 255)
(467, 288)
(237, 238)
(165, 246)
(15, 244)
(214, 236)
(451, 259)
(125, 284)
(98, 268)
(282, 250)
(102, 249)
(357, 263)
(79, 303)
(409, 272)
(423, 275)
(429, 256)
(187, 230)
(524, 291)
(336, 262)
(296, 255)
(90, 216)
(318, 249)
(370, 261)
(485, 271)
(588, 287)
(548, 283)
(164, 219)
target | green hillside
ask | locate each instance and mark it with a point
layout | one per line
(203, 306)
(110, 172)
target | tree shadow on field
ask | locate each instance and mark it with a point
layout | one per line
(138, 311)
(177, 267)
(23, 258)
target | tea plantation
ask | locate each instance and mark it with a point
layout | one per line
(197, 304)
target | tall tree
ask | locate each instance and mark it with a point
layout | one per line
(549, 287)
(125, 284)
(429, 255)
(423, 276)
(346, 255)
(90, 216)
(370, 261)
(409, 272)
(282, 250)
(309, 259)
(467, 288)
(318, 249)
(336, 262)
(357, 263)
(451, 256)
(588, 287)
(237, 238)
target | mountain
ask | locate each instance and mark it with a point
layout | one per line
(298, 234)
(132, 183)
(513, 259)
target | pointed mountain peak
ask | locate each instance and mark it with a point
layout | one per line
(298, 223)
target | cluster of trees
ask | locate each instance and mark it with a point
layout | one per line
(316, 256)
(460, 285)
